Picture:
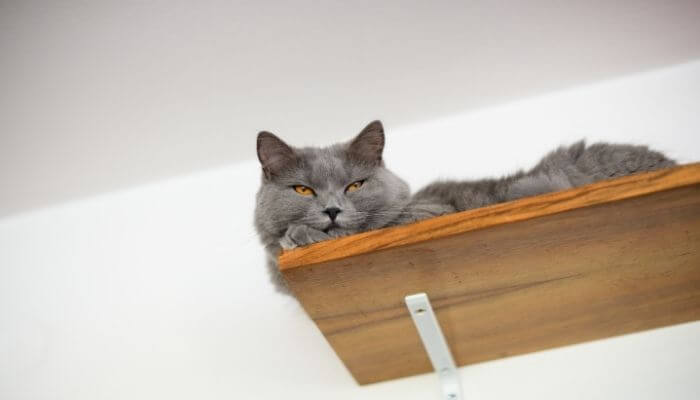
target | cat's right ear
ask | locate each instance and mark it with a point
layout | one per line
(275, 155)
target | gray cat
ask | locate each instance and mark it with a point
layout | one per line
(312, 194)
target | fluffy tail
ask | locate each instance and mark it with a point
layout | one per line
(583, 164)
(561, 169)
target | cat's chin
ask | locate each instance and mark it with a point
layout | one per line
(333, 227)
(335, 230)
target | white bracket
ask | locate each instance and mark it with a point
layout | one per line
(435, 345)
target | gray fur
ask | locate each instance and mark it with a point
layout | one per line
(285, 219)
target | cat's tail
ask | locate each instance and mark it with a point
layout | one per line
(582, 164)
(564, 168)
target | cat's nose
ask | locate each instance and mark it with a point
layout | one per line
(332, 212)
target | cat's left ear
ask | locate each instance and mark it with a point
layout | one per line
(367, 147)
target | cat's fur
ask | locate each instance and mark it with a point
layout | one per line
(284, 219)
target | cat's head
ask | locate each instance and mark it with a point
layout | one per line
(344, 187)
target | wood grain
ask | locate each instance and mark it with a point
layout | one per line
(611, 258)
(532, 207)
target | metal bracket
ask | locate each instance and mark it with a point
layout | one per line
(435, 345)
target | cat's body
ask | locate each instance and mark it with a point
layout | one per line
(313, 194)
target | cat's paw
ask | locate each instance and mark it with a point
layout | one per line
(301, 235)
(340, 232)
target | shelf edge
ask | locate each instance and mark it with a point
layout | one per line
(518, 210)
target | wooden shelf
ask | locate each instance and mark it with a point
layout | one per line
(606, 259)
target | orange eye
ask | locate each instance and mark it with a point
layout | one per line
(353, 186)
(304, 190)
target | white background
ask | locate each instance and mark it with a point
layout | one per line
(160, 291)
(101, 95)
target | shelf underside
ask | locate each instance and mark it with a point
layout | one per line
(607, 259)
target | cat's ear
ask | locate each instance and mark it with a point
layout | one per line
(367, 147)
(274, 154)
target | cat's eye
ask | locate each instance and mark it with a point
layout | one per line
(354, 186)
(304, 190)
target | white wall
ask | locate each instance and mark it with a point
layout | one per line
(160, 291)
(144, 90)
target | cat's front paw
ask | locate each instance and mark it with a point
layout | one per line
(340, 232)
(301, 235)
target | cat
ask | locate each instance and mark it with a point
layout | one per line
(312, 194)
